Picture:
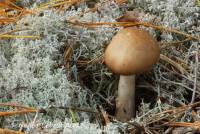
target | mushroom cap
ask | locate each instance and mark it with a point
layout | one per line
(131, 51)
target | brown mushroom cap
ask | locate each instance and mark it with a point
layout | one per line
(131, 51)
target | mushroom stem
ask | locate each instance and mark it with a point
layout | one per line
(125, 103)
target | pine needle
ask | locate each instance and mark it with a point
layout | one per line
(20, 36)
(8, 131)
(128, 24)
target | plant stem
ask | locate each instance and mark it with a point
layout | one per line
(125, 103)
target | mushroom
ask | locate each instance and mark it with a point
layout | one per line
(131, 51)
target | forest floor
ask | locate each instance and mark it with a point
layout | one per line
(53, 78)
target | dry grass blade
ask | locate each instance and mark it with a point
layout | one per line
(97, 59)
(6, 12)
(67, 57)
(195, 125)
(125, 24)
(185, 107)
(13, 31)
(174, 64)
(3, 13)
(59, 3)
(20, 36)
(9, 4)
(8, 131)
(168, 44)
(168, 114)
(104, 115)
(12, 113)
(23, 110)
(7, 20)
(120, 2)
(15, 105)
(48, 4)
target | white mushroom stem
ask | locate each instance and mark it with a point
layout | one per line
(125, 103)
